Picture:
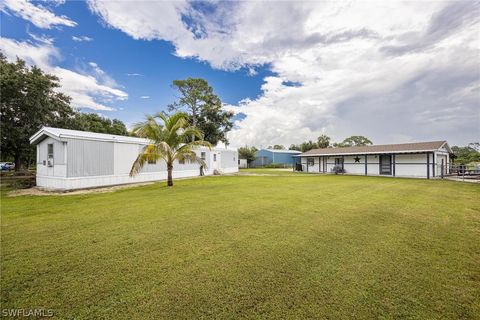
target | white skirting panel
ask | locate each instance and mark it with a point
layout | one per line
(61, 183)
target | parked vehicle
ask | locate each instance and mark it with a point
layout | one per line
(7, 166)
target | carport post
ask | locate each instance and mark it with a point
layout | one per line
(393, 164)
(441, 172)
(366, 165)
(428, 165)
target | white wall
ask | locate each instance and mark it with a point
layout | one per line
(311, 168)
(373, 163)
(89, 158)
(124, 156)
(412, 165)
(352, 167)
(406, 165)
(59, 168)
(115, 160)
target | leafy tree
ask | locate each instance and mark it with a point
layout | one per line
(276, 147)
(323, 141)
(95, 123)
(294, 147)
(475, 145)
(247, 153)
(466, 155)
(215, 123)
(307, 146)
(204, 108)
(171, 141)
(28, 102)
(353, 141)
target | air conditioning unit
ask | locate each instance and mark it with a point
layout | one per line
(50, 162)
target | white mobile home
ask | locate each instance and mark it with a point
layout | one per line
(421, 160)
(70, 159)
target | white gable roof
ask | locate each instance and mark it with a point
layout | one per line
(62, 134)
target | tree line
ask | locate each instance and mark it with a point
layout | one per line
(30, 100)
(469, 154)
(323, 141)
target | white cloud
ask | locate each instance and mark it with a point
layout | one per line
(82, 39)
(387, 70)
(86, 90)
(145, 97)
(134, 74)
(102, 76)
(39, 15)
(41, 38)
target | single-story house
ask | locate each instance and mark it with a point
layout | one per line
(268, 156)
(422, 160)
(71, 159)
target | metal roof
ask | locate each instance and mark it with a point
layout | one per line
(383, 148)
(61, 134)
(86, 135)
(281, 151)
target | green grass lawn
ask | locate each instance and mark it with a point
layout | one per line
(287, 246)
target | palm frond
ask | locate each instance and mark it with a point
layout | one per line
(190, 157)
(151, 152)
(148, 129)
(200, 143)
(171, 140)
(138, 164)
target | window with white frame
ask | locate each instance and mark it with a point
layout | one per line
(203, 155)
(310, 162)
(214, 157)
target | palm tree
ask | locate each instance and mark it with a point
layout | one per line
(170, 141)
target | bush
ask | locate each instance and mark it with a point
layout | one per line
(338, 169)
(22, 183)
(278, 165)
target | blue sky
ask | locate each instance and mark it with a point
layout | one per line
(394, 72)
(141, 68)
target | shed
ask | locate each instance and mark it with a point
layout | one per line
(272, 156)
(71, 159)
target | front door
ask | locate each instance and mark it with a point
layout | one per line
(216, 161)
(385, 164)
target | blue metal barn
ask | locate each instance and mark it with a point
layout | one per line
(268, 156)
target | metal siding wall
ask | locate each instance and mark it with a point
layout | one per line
(58, 151)
(42, 152)
(278, 157)
(89, 158)
(264, 153)
(157, 167)
(229, 159)
(283, 158)
(124, 156)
